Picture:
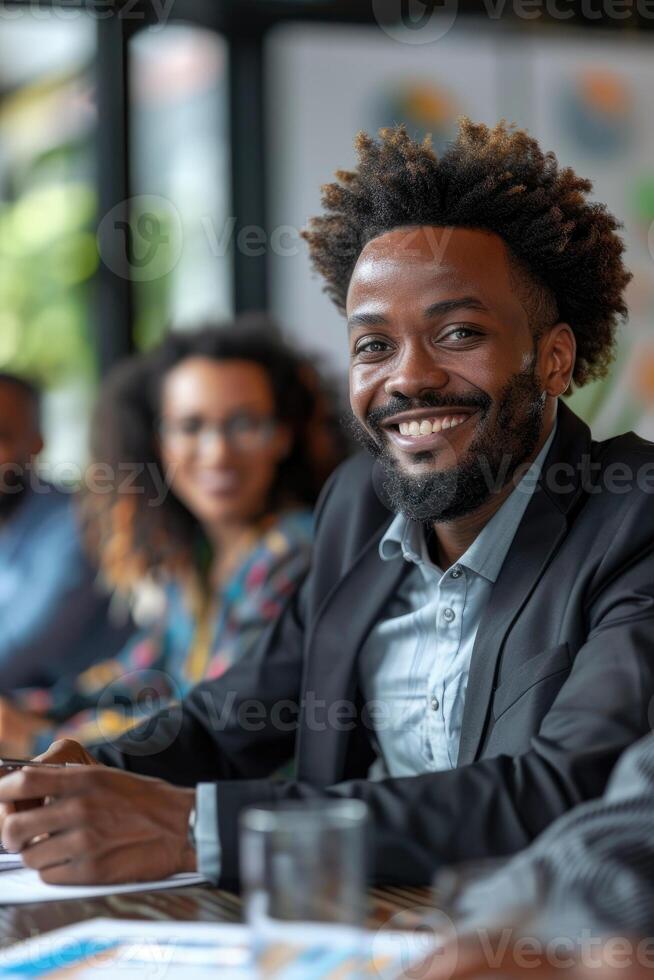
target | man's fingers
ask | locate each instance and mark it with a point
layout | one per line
(79, 872)
(20, 805)
(35, 783)
(26, 788)
(67, 750)
(61, 849)
(20, 828)
(5, 810)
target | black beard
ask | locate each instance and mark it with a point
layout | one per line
(489, 464)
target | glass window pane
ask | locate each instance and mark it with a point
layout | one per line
(180, 178)
(48, 253)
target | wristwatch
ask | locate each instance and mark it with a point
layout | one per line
(191, 828)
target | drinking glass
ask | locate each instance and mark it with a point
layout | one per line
(303, 871)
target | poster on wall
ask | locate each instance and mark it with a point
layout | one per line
(592, 105)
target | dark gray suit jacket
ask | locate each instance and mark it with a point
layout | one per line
(561, 677)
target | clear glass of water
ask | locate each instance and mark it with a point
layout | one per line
(303, 872)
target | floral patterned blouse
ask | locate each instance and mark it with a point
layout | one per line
(162, 664)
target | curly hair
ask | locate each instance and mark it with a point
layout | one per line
(566, 255)
(129, 536)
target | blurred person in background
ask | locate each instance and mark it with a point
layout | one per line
(54, 616)
(219, 425)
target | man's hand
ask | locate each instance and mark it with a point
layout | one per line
(102, 825)
(63, 750)
(67, 750)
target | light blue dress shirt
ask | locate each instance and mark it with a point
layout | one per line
(415, 662)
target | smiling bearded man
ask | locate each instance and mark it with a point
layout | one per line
(471, 650)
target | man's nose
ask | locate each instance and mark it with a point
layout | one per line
(414, 374)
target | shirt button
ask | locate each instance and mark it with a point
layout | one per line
(448, 614)
(456, 572)
(435, 704)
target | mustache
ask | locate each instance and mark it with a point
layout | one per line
(481, 402)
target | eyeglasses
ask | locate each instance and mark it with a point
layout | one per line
(243, 432)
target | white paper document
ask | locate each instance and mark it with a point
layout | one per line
(20, 885)
(117, 948)
(10, 861)
(128, 950)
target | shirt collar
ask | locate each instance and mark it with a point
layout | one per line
(486, 554)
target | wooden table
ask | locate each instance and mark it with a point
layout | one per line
(199, 903)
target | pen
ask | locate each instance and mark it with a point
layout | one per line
(19, 763)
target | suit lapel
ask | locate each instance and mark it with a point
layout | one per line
(536, 539)
(541, 530)
(347, 616)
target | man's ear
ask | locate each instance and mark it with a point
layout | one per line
(558, 352)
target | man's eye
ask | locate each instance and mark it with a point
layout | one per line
(372, 347)
(461, 333)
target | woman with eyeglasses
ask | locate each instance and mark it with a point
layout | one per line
(208, 454)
